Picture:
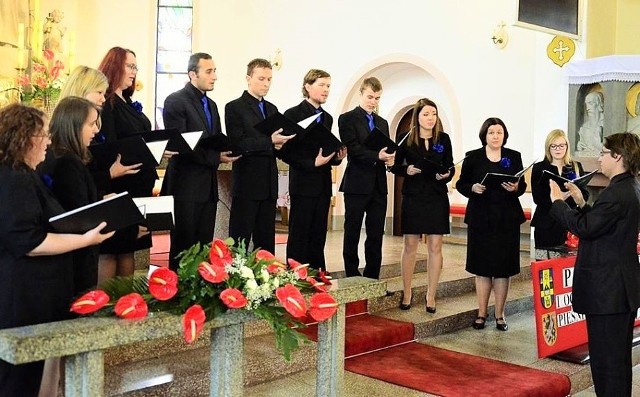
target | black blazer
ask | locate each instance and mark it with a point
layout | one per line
(540, 191)
(255, 174)
(192, 176)
(424, 182)
(120, 120)
(495, 208)
(607, 274)
(364, 172)
(305, 179)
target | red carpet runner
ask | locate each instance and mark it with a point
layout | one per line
(382, 349)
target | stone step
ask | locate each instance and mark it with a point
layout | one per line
(187, 371)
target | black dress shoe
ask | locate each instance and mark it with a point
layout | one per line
(478, 323)
(431, 310)
(404, 306)
(501, 324)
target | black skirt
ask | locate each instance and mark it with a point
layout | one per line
(425, 214)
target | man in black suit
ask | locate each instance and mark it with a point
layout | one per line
(192, 177)
(606, 280)
(310, 175)
(365, 182)
(255, 175)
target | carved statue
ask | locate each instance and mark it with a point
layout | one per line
(633, 109)
(54, 31)
(590, 133)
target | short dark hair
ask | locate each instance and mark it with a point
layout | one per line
(371, 82)
(192, 66)
(627, 145)
(311, 77)
(485, 128)
(66, 125)
(257, 63)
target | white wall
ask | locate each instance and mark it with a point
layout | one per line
(449, 44)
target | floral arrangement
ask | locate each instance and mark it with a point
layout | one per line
(213, 279)
(505, 162)
(46, 79)
(437, 147)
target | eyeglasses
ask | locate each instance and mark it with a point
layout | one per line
(132, 66)
(603, 152)
(558, 146)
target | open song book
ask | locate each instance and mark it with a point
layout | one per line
(495, 180)
(580, 182)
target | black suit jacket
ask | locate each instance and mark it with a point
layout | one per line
(540, 191)
(495, 208)
(607, 273)
(305, 179)
(191, 176)
(364, 172)
(120, 120)
(254, 175)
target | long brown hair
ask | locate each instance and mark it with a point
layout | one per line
(414, 137)
(18, 123)
(112, 66)
(66, 127)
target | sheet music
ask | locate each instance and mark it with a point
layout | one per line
(307, 122)
(157, 149)
(192, 138)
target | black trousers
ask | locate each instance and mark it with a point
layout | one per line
(254, 220)
(308, 230)
(610, 337)
(194, 222)
(373, 208)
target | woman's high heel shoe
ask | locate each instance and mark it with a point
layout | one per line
(501, 324)
(430, 309)
(404, 306)
(478, 323)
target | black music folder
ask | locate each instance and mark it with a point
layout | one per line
(494, 180)
(428, 166)
(580, 182)
(119, 211)
(324, 137)
(157, 211)
(276, 121)
(222, 143)
(377, 140)
(133, 150)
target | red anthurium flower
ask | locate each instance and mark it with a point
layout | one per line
(192, 323)
(55, 72)
(233, 298)
(292, 300)
(323, 306)
(275, 267)
(163, 284)
(219, 253)
(299, 268)
(318, 285)
(324, 277)
(131, 307)
(212, 273)
(90, 302)
(264, 255)
(38, 68)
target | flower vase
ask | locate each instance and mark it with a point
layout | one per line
(49, 102)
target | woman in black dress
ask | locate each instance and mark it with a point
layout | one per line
(120, 119)
(548, 232)
(493, 218)
(36, 283)
(425, 159)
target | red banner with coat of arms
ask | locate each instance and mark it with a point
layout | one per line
(558, 327)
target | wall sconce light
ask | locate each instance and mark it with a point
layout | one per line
(276, 61)
(500, 36)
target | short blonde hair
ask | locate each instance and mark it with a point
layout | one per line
(552, 136)
(84, 80)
